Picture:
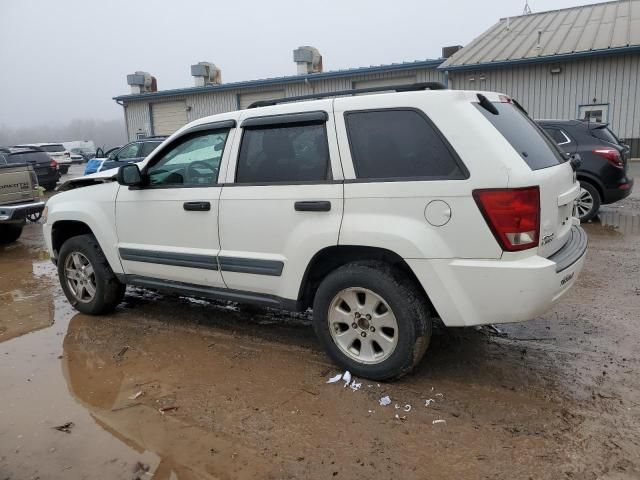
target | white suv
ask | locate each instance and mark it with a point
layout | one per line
(379, 212)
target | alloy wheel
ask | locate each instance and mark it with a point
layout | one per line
(584, 203)
(362, 325)
(80, 277)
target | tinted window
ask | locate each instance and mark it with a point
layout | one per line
(128, 151)
(148, 147)
(399, 143)
(32, 156)
(287, 153)
(193, 160)
(604, 134)
(524, 135)
(52, 148)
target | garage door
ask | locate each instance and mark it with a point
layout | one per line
(383, 82)
(168, 117)
(247, 99)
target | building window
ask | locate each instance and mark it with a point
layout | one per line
(594, 113)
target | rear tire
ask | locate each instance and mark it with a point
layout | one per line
(86, 277)
(382, 330)
(588, 202)
(49, 186)
(64, 169)
(10, 233)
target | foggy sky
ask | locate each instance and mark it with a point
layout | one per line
(65, 59)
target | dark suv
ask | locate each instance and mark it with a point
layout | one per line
(603, 171)
(135, 151)
(45, 167)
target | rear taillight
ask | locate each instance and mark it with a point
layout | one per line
(53, 163)
(513, 214)
(611, 155)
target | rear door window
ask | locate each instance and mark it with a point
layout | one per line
(52, 148)
(284, 153)
(524, 135)
(387, 144)
(148, 147)
(129, 151)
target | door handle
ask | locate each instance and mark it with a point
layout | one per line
(197, 206)
(316, 206)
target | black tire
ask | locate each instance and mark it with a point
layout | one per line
(10, 233)
(592, 191)
(109, 292)
(49, 186)
(404, 298)
(64, 169)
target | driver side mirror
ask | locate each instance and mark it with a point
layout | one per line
(129, 175)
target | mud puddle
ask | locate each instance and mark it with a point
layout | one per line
(625, 223)
(174, 387)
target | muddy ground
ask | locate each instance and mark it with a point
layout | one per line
(177, 388)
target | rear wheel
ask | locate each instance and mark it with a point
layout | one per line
(588, 202)
(49, 186)
(86, 277)
(372, 320)
(64, 169)
(10, 233)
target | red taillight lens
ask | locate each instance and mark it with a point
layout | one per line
(54, 164)
(513, 214)
(611, 155)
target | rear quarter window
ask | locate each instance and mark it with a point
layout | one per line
(525, 136)
(388, 144)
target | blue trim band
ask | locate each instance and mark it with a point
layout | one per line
(282, 80)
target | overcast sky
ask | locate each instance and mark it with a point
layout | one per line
(65, 59)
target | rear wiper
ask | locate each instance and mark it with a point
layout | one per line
(487, 105)
(520, 107)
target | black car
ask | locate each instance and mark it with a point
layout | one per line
(135, 151)
(604, 162)
(45, 167)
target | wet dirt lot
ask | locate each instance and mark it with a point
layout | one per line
(178, 388)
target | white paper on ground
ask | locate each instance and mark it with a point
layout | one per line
(385, 401)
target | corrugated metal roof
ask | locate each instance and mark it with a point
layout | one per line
(589, 29)
(350, 72)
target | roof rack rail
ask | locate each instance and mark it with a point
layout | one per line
(354, 91)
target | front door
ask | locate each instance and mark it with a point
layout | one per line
(168, 230)
(282, 201)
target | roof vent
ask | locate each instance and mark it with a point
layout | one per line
(206, 73)
(449, 51)
(308, 60)
(142, 82)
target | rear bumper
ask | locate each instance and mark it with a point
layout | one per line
(9, 213)
(615, 194)
(481, 292)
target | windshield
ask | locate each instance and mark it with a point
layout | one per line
(533, 145)
(52, 148)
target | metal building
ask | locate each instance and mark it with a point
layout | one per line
(581, 62)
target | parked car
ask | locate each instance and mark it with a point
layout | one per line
(96, 162)
(57, 151)
(46, 168)
(19, 197)
(132, 152)
(79, 155)
(604, 162)
(381, 212)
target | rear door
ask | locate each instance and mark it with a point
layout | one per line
(283, 198)
(549, 169)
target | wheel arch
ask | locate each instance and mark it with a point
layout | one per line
(330, 258)
(593, 180)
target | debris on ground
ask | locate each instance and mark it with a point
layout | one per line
(438, 421)
(386, 400)
(135, 396)
(65, 427)
(407, 408)
(141, 470)
(120, 355)
(169, 408)
(335, 378)
(428, 402)
(347, 378)
(401, 418)
(355, 386)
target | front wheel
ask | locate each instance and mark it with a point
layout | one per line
(588, 202)
(372, 320)
(86, 277)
